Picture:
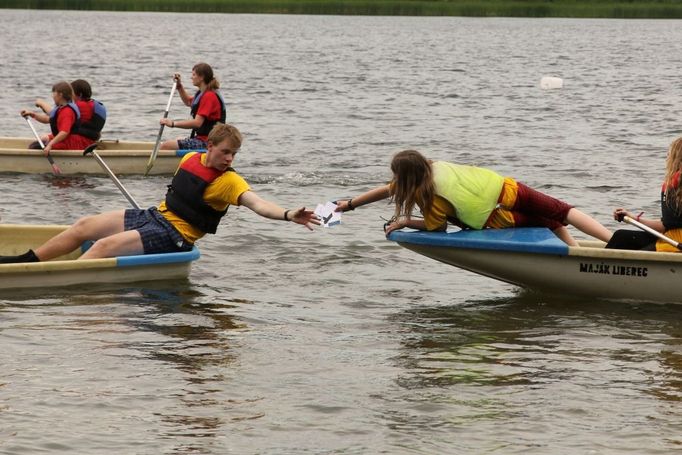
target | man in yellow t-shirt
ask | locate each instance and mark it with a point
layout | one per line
(203, 187)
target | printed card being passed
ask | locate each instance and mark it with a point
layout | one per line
(327, 215)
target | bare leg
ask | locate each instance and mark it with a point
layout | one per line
(566, 236)
(171, 144)
(588, 225)
(87, 228)
(124, 243)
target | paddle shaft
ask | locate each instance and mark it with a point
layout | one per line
(155, 152)
(55, 169)
(651, 231)
(117, 182)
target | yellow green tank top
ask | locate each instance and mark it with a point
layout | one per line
(473, 191)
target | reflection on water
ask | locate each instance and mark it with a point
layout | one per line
(486, 362)
(284, 341)
(68, 181)
(182, 331)
(493, 342)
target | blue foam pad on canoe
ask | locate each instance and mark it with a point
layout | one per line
(151, 259)
(531, 240)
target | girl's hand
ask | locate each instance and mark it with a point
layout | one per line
(394, 225)
(26, 113)
(48, 148)
(43, 105)
(619, 213)
(343, 206)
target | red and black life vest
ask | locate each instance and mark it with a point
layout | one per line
(671, 215)
(186, 191)
(208, 125)
(92, 128)
(54, 113)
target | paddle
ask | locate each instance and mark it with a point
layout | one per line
(155, 152)
(651, 231)
(55, 168)
(91, 150)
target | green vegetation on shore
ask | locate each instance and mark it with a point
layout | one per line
(660, 9)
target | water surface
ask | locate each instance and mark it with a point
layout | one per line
(337, 341)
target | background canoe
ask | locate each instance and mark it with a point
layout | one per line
(123, 157)
(65, 270)
(536, 259)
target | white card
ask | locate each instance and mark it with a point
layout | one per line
(327, 215)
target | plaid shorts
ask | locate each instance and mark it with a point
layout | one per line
(191, 143)
(158, 235)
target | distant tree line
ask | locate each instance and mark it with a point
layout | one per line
(654, 9)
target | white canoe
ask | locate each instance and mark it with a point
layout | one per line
(64, 271)
(536, 259)
(122, 157)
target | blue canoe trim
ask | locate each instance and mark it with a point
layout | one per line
(152, 259)
(184, 152)
(529, 240)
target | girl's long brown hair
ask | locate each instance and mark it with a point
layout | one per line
(206, 72)
(412, 183)
(673, 168)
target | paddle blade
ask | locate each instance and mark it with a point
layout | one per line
(152, 158)
(55, 168)
(155, 152)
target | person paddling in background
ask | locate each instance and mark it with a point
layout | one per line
(63, 118)
(670, 222)
(93, 112)
(207, 109)
(471, 198)
(203, 188)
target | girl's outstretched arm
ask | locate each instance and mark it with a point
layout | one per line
(376, 194)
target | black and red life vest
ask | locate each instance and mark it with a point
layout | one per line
(671, 215)
(208, 125)
(54, 113)
(92, 128)
(186, 191)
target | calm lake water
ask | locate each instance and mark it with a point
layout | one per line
(284, 341)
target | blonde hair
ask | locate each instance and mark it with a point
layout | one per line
(412, 183)
(673, 173)
(222, 131)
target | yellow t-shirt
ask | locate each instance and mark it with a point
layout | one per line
(662, 245)
(501, 217)
(220, 194)
(441, 210)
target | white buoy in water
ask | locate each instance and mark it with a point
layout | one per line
(549, 82)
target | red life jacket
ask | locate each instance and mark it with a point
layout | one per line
(185, 195)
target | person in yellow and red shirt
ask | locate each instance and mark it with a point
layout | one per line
(670, 222)
(207, 108)
(470, 197)
(202, 189)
